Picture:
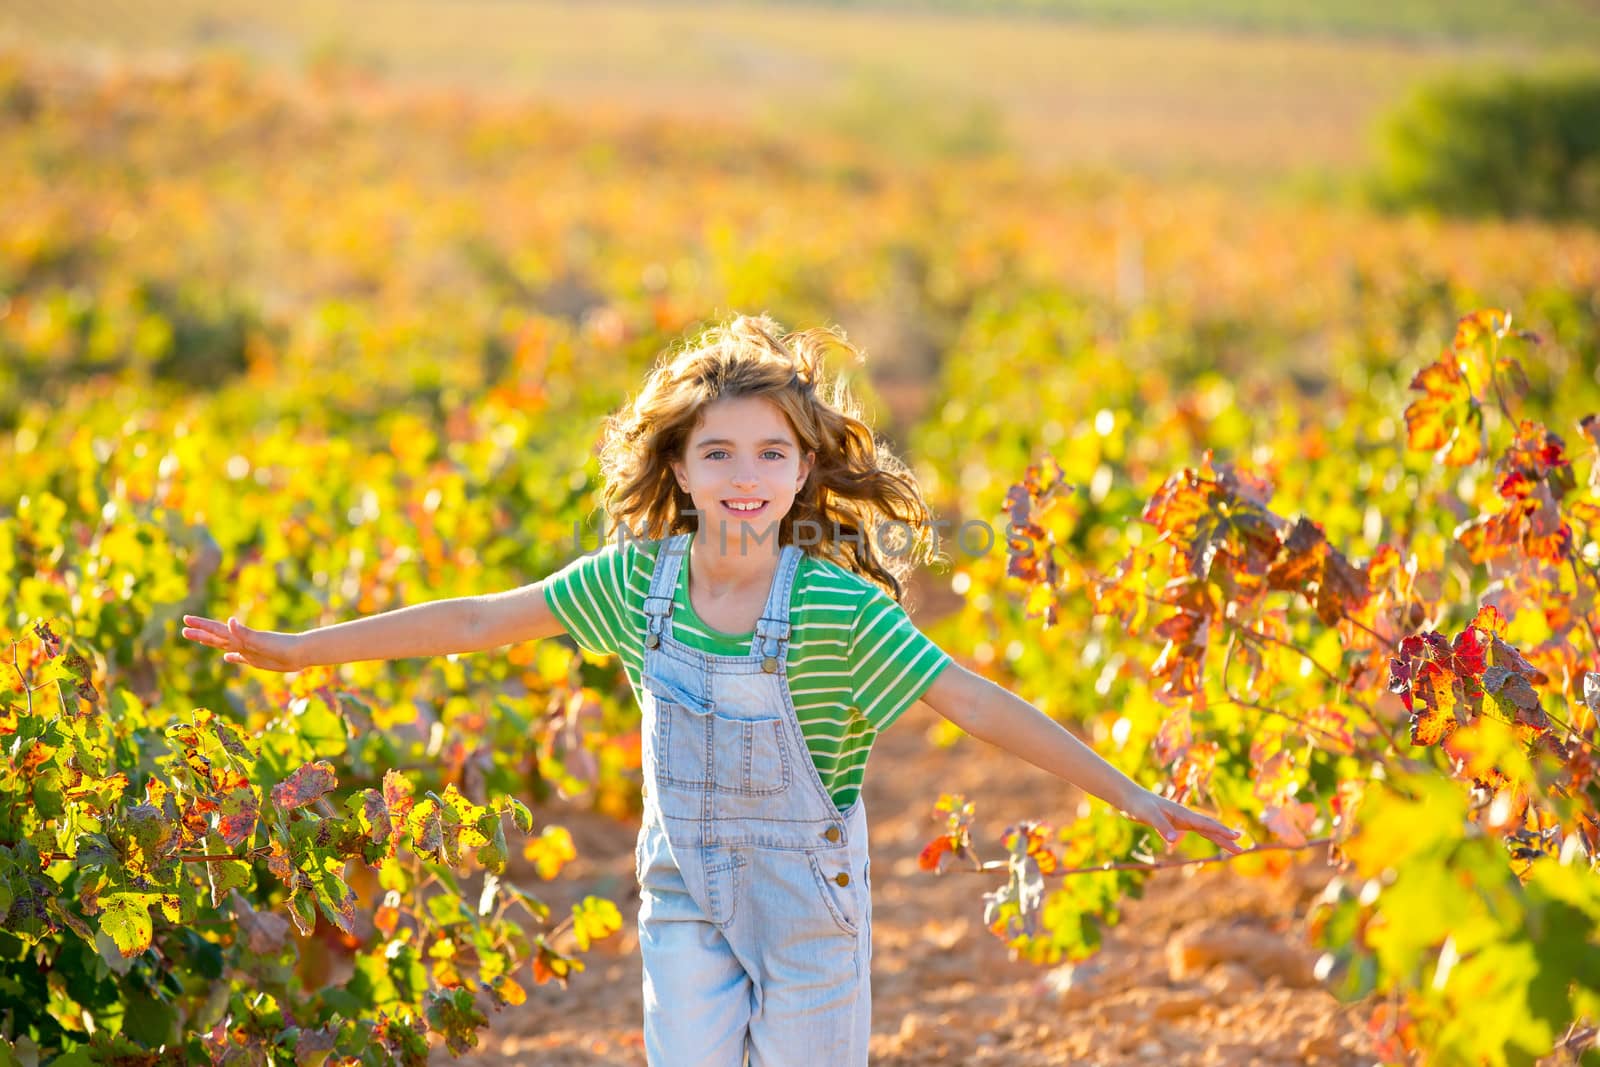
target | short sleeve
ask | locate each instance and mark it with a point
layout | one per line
(587, 596)
(892, 663)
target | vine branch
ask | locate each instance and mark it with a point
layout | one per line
(992, 866)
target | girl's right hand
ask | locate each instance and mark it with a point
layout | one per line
(266, 649)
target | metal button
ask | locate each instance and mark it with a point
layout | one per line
(651, 641)
(831, 833)
(842, 878)
(769, 664)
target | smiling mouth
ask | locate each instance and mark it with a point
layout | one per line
(745, 508)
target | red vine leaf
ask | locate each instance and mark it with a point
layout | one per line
(1032, 839)
(931, 858)
(1447, 419)
(1030, 545)
(240, 813)
(1309, 565)
(305, 786)
(47, 637)
(1490, 621)
(1502, 654)
(1290, 822)
(374, 816)
(1517, 702)
(548, 965)
(1193, 772)
(956, 812)
(1218, 517)
(265, 932)
(1534, 478)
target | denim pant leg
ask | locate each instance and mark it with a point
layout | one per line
(697, 996)
(806, 938)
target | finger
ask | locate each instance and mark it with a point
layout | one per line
(1207, 827)
(1204, 824)
(233, 657)
(1227, 840)
(1214, 829)
(211, 626)
(202, 638)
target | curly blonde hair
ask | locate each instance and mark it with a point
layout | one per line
(856, 491)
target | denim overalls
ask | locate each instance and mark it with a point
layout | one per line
(755, 907)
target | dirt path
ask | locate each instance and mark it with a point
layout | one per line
(944, 991)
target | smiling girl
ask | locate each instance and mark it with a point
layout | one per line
(757, 615)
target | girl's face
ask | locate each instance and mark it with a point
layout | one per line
(742, 466)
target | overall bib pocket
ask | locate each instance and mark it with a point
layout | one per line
(702, 748)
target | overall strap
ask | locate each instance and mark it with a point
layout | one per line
(663, 583)
(772, 628)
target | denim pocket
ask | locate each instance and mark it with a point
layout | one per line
(839, 900)
(700, 748)
(722, 890)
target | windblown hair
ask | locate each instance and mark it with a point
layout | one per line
(857, 489)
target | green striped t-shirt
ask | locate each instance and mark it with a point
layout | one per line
(856, 661)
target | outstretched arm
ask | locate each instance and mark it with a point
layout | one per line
(988, 711)
(437, 628)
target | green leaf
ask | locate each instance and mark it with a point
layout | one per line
(149, 1021)
(303, 910)
(225, 875)
(55, 670)
(48, 803)
(412, 1043)
(446, 909)
(119, 964)
(322, 727)
(142, 838)
(58, 908)
(492, 854)
(203, 957)
(337, 899)
(521, 813)
(28, 915)
(455, 1016)
(125, 918)
(536, 907)
(87, 752)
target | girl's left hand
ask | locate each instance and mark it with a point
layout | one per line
(1170, 819)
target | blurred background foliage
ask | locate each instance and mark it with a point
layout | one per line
(1514, 144)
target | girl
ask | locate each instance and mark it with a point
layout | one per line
(760, 626)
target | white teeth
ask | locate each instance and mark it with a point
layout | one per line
(746, 507)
